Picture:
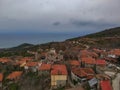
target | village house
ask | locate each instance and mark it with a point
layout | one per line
(101, 53)
(31, 66)
(4, 61)
(20, 63)
(114, 53)
(1, 79)
(74, 63)
(101, 63)
(27, 59)
(82, 74)
(88, 62)
(59, 76)
(83, 53)
(14, 76)
(44, 69)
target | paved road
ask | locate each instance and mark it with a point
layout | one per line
(116, 82)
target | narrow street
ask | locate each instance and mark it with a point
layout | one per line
(116, 82)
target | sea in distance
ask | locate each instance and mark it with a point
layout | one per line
(8, 40)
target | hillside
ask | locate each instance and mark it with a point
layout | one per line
(112, 32)
(109, 38)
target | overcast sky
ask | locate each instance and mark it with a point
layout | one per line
(58, 15)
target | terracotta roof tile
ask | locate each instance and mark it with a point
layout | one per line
(83, 72)
(84, 53)
(31, 64)
(14, 75)
(88, 60)
(26, 59)
(59, 70)
(74, 62)
(45, 67)
(5, 60)
(100, 62)
(105, 85)
(79, 72)
(115, 51)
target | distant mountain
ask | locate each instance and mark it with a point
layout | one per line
(24, 45)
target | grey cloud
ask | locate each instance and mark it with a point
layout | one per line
(56, 23)
(37, 15)
(80, 23)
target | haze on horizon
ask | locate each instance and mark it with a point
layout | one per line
(58, 16)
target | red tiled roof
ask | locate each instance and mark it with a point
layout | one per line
(88, 60)
(84, 53)
(79, 72)
(59, 70)
(115, 51)
(1, 77)
(14, 75)
(74, 63)
(26, 59)
(4, 60)
(45, 67)
(83, 72)
(88, 70)
(105, 85)
(100, 62)
(31, 64)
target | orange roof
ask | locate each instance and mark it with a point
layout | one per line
(83, 72)
(5, 60)
(1, 77)
(45, 67)
(26, 59)
(79, 72)
(14, 75)
(84, 53)
(88, 70)
(105, 85)
(59, 70)
(74, 63)
(100, 62)
(31, 64)
(88, 60)
(115, 51)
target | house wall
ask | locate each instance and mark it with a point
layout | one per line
(58, 80)
(74, 77)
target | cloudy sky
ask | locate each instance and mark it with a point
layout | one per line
(83, 16)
